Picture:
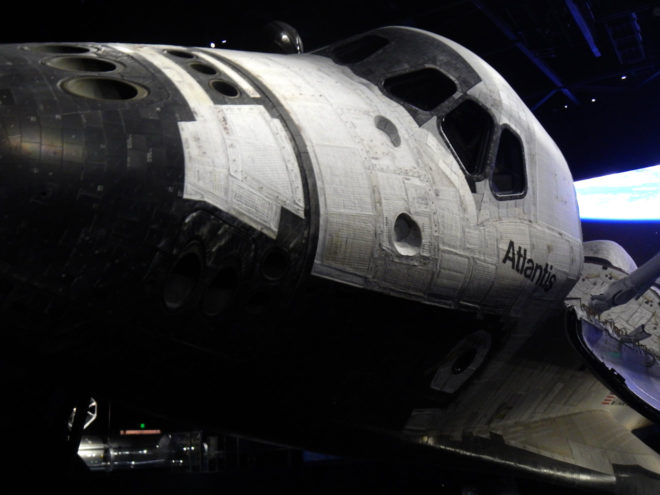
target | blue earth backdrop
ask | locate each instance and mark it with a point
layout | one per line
(623, 207)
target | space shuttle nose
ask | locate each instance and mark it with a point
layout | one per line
(95, 203)
(79, 194)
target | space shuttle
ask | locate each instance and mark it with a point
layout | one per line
(371, 249)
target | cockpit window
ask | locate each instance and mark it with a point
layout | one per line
(359, 49)
(509, 176)
(424, 89)
(468, 128)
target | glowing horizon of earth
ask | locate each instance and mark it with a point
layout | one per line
(626, 196)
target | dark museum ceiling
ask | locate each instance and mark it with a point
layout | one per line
(559, 55)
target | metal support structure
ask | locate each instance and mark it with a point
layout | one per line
(650, 78)
(584, 27)
(540, 64)
(77, 428)
(626, 37)
(544, 99)
(632, 286)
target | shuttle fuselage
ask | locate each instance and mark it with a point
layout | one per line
(255, 232)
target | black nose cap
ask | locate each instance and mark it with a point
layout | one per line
(32, 210)
(37, 138)
(16, 155)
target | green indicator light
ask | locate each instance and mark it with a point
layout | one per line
(142, 426)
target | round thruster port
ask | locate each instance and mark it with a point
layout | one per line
(407, 235)
(275, 264)
(60, 49)
(81, 64)
(182, 280)
(225, 88)
(203, 68)
(104, 89)
(179, 53)
(220, 293)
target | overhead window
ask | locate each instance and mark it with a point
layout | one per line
(359, 49)
(509, 172)
(468, 128)
(424, 88)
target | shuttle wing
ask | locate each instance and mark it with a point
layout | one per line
(536, 410)
(617, 323)
(586, 449)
